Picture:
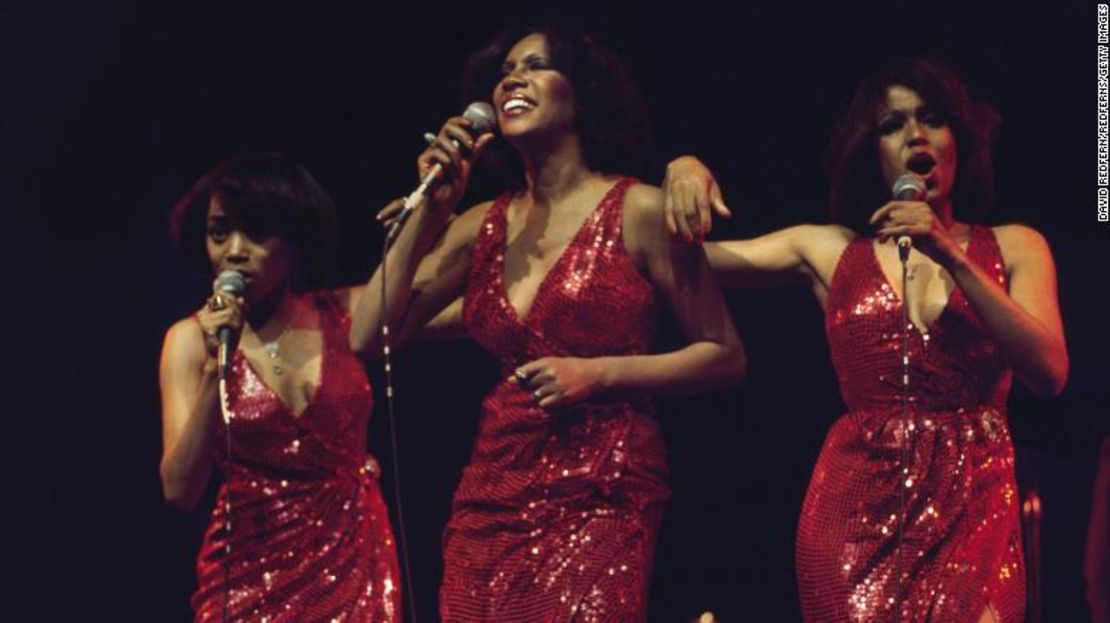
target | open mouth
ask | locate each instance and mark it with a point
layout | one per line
(921, 163)
(517, 104)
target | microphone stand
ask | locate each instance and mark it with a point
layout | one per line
(904, 480)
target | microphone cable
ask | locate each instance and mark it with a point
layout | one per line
(394, 454)
(225, 411)
(905, 478)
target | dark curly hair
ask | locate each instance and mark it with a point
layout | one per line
(856, 183)
(270, 194)
(610, 115)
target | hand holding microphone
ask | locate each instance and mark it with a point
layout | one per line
(444, 166)
(912, 222)
(908, 187)
(221, 318)
(897, 220)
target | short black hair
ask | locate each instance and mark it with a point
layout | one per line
(610, 114)
(268, 192)
(856, 184)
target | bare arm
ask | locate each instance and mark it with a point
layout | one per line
(691, 195)
(1025, 323)
(714, 356)
(425, 270)
(446, 325)
(802, 254)
(190, 406)
(794, 255)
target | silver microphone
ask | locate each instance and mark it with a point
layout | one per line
(908, 187)
(229, 282)
(482, 119)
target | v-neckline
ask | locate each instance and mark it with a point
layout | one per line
(928, 327)
(527, 315)
(319, 381)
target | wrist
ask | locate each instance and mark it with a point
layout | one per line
(605, 374)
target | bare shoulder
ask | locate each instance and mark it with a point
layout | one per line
(820, 248)
(467, 223)
(184, 330)
(644, 201)
(1016, 234)
(1020, 244)
(823, 235)
(641, 196)
(643, 214)
(184, 342)
(821, 244)
(349, 296)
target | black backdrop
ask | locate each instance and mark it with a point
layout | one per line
(111, 109)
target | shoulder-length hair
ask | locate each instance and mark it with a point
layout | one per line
(856, 183)
(610, 115)
(268, 194)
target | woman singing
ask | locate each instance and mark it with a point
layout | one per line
(912, 507)
(309, 536)
(563, 277)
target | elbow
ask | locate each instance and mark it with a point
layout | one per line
(176, 491)
(358, 348)
(1058, 379)
(362, 348)
(740, 373)
(179, 500)
(735, 367)
(1051, 382)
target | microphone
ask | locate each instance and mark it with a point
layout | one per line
(228, 282)
(908, 187)
(482, 119)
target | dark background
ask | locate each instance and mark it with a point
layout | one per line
(110, 110)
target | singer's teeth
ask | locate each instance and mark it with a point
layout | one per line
(516, 104)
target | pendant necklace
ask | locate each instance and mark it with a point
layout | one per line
(273, 353)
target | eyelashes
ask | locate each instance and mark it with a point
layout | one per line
(925, 116)
(531, 63)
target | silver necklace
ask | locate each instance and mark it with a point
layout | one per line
(273, 352)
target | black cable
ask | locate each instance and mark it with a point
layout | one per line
(226, 414)
(906, 429)
(394, 458)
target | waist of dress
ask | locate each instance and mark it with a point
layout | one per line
(308, 472)
(987, 419)
(917, 409)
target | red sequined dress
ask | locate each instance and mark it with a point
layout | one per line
(311, 539)
(556, 514)
(960, 548)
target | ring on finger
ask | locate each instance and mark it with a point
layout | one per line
(216, 303)
(520, 375)
(538, 395)
(429, 138)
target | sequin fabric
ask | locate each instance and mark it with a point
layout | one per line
(310, 538)
(557, 511)
(960, 549)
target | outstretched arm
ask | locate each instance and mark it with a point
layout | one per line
(794, 255)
